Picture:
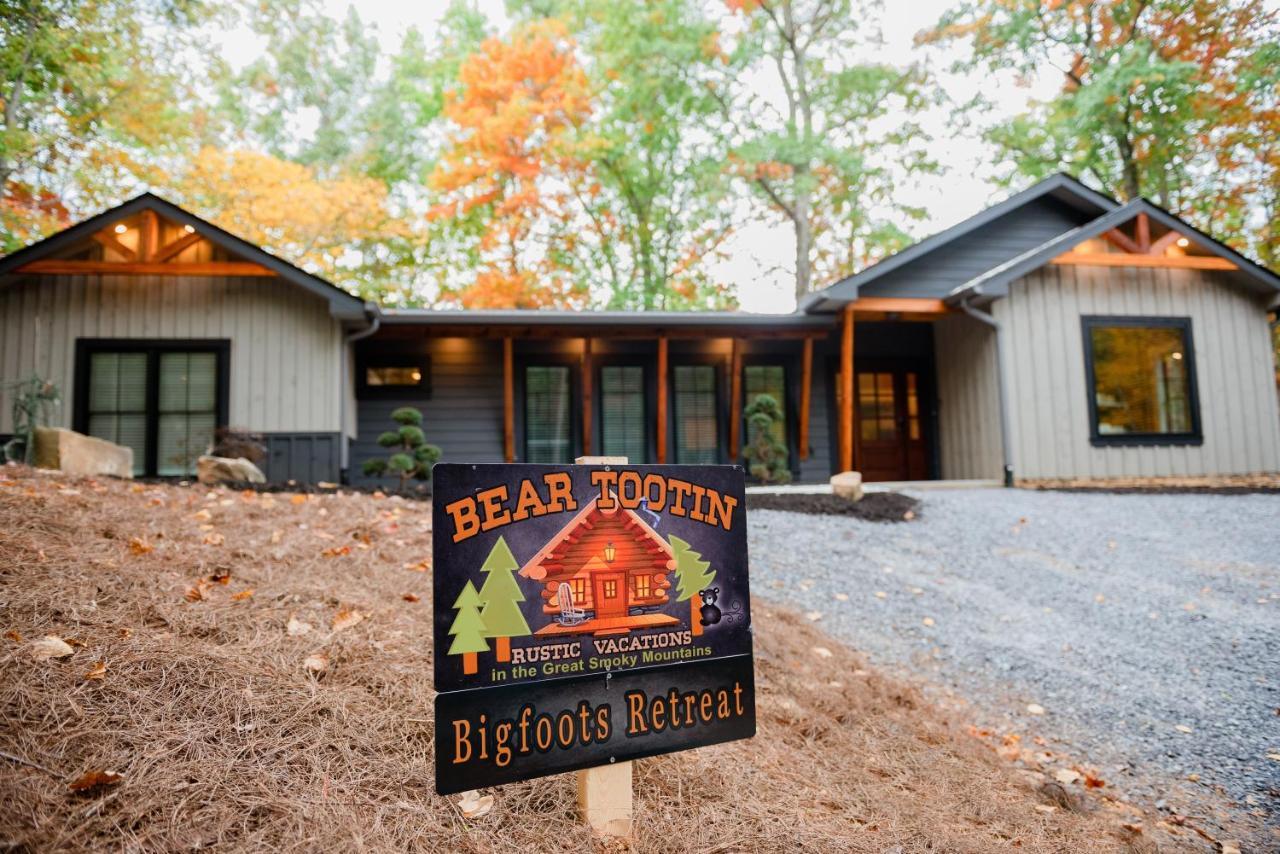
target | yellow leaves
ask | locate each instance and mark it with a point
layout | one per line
(97, 673)
(94, 780)
(199, 591)
(336, 551)
(247, 593)
(421, 566)
(346, 618)
(474, 805)
(295, 500)
(140, 546)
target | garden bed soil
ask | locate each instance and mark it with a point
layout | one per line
(874, 506)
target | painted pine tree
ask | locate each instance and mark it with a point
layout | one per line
(692, 574)
(467, 630)
(502, 597)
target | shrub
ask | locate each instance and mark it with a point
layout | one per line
(411, 456)
(766, 454)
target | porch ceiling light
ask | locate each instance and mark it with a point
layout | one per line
(189, 229)
(1184, 242)
(121, 228)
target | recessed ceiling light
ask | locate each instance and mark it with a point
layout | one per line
(121, 228)
(188, 229)
(1183, 242)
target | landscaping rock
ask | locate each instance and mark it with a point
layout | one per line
(228, 470)
(847, 485)
(78, 454)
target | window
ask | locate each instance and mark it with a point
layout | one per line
(579, 588)
(770, 380)
(641, 586)
(610, 589)
(622, 425)
(548, 436)
(393, 375)
(1141, 375)
(161, 399)
(697, 428)
(877, 410)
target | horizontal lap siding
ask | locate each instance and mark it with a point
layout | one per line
(463, 414)
(968, 398)
(1239, 413)
(284, 345)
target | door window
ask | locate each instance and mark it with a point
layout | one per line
(877, 407)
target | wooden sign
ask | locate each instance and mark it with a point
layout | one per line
(586, 615)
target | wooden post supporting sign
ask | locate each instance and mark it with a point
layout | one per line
(604, 793)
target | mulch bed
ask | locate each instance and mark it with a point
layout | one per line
(874, 506)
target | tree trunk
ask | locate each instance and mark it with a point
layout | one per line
(503, 649)
(1132, 184)
(470, 663)
(804, 236)
(695, 616)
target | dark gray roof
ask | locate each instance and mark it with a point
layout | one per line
(995, 282)
(674, 319)
(342, 304)
(933, 267)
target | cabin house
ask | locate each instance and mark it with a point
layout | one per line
(614, 566)
(1057, 335)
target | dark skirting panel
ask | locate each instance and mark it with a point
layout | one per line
(302, 457)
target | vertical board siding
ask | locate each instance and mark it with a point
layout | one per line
(285, 346)
(463, 414)
(968, 399)
(1048, 395)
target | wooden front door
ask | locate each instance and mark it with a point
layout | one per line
(890, 425)
(610, 591)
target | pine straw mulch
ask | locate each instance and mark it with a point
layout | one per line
(224, 738)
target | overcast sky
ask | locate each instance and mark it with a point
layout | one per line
(760, 254)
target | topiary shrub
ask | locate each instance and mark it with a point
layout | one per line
(766, 454)
(411, 456)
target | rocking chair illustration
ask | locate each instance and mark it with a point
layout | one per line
(570, 614)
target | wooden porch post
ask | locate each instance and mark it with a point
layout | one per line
(846, 390)
(586, 397)
(662, 401)
(806, 380)
(508, 402)
(735, 402)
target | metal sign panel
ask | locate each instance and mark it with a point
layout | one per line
(586, 615)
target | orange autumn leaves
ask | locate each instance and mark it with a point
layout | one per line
(512, 169)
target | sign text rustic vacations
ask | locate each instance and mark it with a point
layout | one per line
(586, 615)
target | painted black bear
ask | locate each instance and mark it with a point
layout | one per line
(710, 613)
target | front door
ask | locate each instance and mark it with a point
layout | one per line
(610, 594)
(890, 425)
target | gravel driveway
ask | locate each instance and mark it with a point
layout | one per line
(1147, 626)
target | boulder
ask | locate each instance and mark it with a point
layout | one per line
(228, 470)
(847, 485)
(78, 454)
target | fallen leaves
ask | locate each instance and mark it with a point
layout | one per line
(822, 652)
(199, 591)
(94, 780)
(1274, 757)
(1066, 776)
(140, 546)
(14, 635)
(316, 662)
(220, 576)
(298, 499)
(928, 621)
(346, 618)
(410, 597)
(336, 551)
(214, 539)
(296, 627)
(421, 566)
(51, 646)
(813, 616)
(97, 673)
(474, 805)
(1183, 728)
(247, 593)
(1035, 709)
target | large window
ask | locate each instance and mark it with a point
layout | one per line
(161, 399)
(770, 380)
(697, 428)
(622, 419)
(1141, 374)
(548, 431)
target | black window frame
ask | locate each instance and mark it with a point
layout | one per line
(153, 347)
(393, 357)
(719, 370)
(646, 395)
(575, 400)
(1195, 436)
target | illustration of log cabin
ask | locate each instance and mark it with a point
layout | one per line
(606, 572)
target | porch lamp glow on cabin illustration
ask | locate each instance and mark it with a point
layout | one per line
(590, 614)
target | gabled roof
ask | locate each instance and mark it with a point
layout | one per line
(995, 282)
(342, 304)
(534, 567)
(1061, 187)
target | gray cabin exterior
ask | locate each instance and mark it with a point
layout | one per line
(1058, 335)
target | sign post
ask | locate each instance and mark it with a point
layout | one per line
(587, 615)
